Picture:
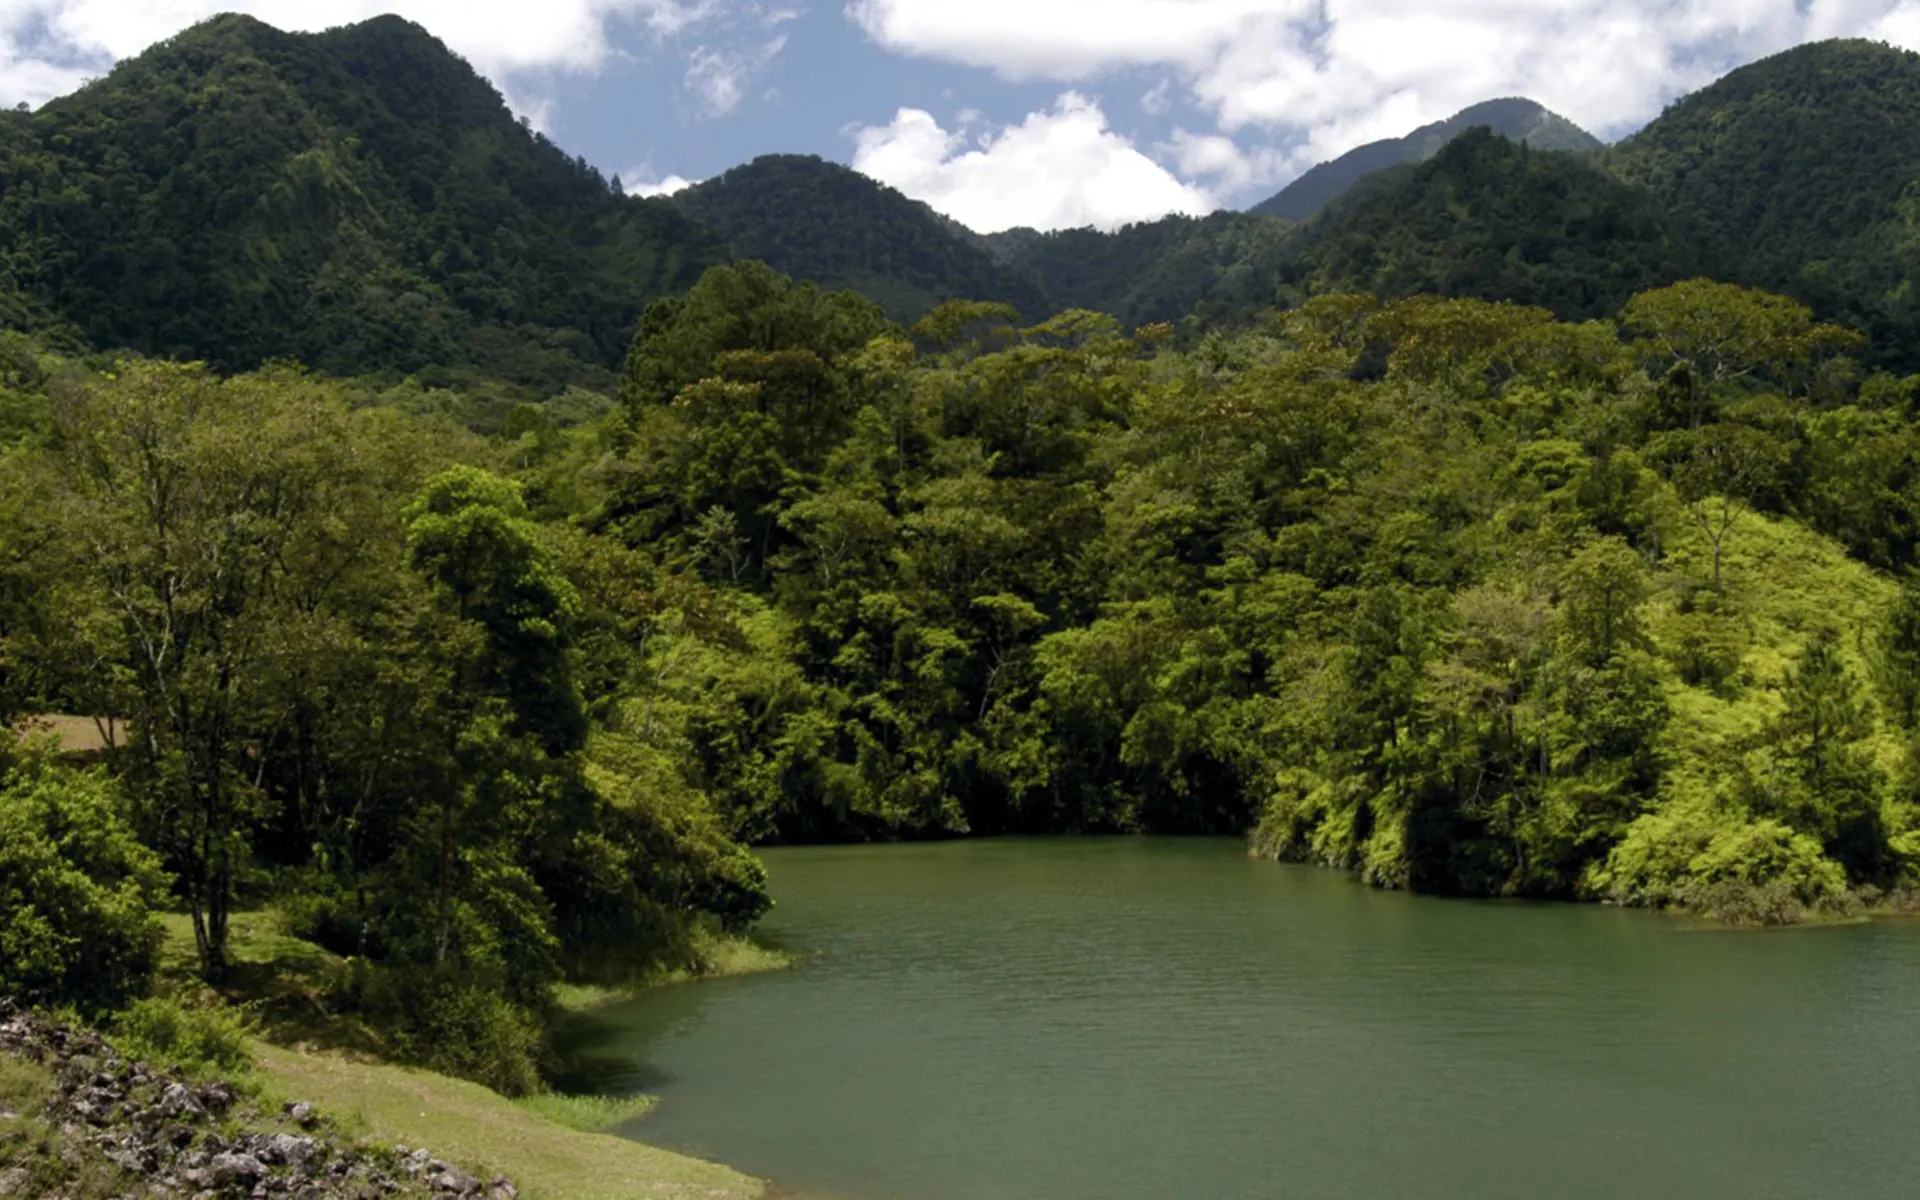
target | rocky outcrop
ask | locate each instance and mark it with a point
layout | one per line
(183, 1140)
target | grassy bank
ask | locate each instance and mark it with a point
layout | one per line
(721, 956)
(465, 1123)
(309, 1045)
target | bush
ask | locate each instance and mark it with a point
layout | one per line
(76, 889)
(168, 1034)
(458, 1026)
(1722, 864)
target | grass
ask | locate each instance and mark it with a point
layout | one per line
(721, 956)
(465, 1123)
(283, 985)
(555, 1147)
(588, 1114)
(81, 737)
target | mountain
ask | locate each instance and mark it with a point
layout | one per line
(1808, 165)
(1518, 119)
(824, 222)
(1153, 271)
(359, 199)
(1493, 219)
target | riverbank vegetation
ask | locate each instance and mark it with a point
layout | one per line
(1449, 593)
(426, 572)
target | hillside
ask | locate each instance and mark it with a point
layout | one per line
(358, 199)
(1153, 271)
(821, 221)
(1491, 219)
(1515, 118)
(1807, 163)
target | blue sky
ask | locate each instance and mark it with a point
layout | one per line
(1049, 113)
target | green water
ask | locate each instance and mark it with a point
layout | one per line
(1003, 1020)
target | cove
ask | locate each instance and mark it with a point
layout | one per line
(1066, 1019)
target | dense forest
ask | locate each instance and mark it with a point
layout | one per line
(358, 200)
(462, 565)
(1517, 119)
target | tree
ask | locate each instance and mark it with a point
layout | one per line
(1704, 335)
(1838, 797)
(76, 889)
(514, 700)
(1896, 663)
(187, 506)
(1718, 470)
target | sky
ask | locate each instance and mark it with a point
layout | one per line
(1045, 113)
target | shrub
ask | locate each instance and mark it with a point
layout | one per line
(458, 1026)
(166, 1033)
(1723, 864)
(76, 926)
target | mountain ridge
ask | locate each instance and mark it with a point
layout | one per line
(359, 198)
(1514, 117)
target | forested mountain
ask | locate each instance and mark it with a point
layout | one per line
(1515, 118)
(1494, 219)
(820, 221)
(1805, 168)
(1154, 271)
(358, 199)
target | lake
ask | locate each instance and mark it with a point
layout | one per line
(1113, 1018)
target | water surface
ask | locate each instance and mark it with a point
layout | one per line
(1068, 1019)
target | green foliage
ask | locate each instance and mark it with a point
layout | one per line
(823, 222)
(358, 199)
(1753, 871)
(166, 1032)
(439, 1020)
(1799, 170)
(75, 889)
(1517, 119)
(1489, 219)
(589, 1114)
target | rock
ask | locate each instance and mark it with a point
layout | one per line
(156, 1126)
(229, 1169)
(286, 1150)
(216, 1097)
(177, 1101)
(452, 1181)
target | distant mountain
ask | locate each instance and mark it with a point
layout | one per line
(1805, 168)
(364, 202)
(1154, 271)
(1518, 119)
(1496, 220)
(821, 221)
(359, 199)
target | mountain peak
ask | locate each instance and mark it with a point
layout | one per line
(1514, 117)
(821, 220)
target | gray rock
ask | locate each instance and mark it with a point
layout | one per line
(229, 1169)
(286, 1150)
(452, 1181)
(177, 1101)
(303, 1114)
(14, 1181)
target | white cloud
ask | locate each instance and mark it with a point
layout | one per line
(48, 46)
(636, 183)
(1058, 169)
(718, 77)
(1325, 75)
(1231, 168)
